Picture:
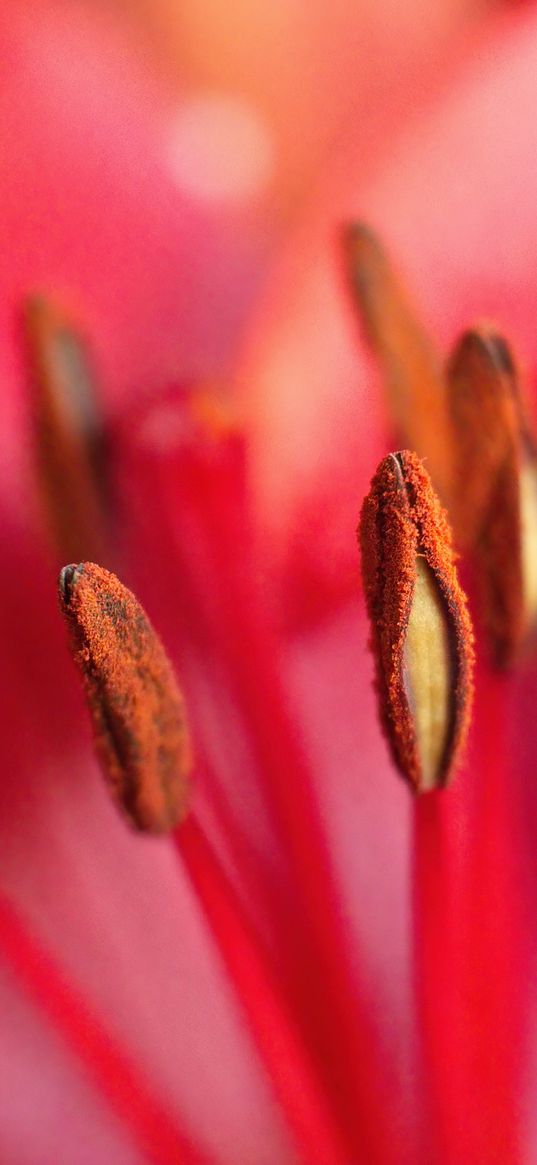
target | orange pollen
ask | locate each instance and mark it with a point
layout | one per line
(403, 526)
(136, 706)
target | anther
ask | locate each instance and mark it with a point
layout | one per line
(421, 633)
(68, 434)
(135, 703)
(494, 499)
(411, 367)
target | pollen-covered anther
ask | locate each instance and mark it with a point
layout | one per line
(494, 502)
(421, 632)
(136, 706)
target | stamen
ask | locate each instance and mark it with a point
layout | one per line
(411, 366)
(471, 427)
(334, 1002)
(495, 485)
(140, 729)
(471, 949)
(272, 1026)
(421, 632)
(207, 523)
(483, 417)
(69, 437)
(121, 1086)
(135, 704)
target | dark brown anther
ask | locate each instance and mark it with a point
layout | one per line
(69, 438)
(421, 634)
(494, 498)
(136, 706)
(411, 367)
(470, 425)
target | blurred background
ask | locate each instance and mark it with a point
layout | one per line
(281, 80)
(238, 107)
(174, 175)
(172, 178)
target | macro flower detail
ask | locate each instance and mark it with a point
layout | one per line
(494, 495)
(468, 419)
(421, 633)
(141, 739)
(313, 967)
(136, 706)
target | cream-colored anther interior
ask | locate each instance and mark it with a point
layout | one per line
(528, 527)
(428, 673)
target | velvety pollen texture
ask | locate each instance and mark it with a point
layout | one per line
(401, 517)
(136, 707)
(468, 420)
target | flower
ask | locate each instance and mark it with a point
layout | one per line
(105, 931)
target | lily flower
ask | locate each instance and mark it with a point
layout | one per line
(316, 968)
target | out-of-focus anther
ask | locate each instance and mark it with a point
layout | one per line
(411, 367)
(69, 439)
(494, 497)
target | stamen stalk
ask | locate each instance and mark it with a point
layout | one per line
(271, 1025)
(142, 738)
(110, 1068)
(470, 963)
(208, 529)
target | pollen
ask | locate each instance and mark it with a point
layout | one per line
(421, 634)
(136, 706)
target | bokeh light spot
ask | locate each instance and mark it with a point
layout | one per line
(220, 149)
